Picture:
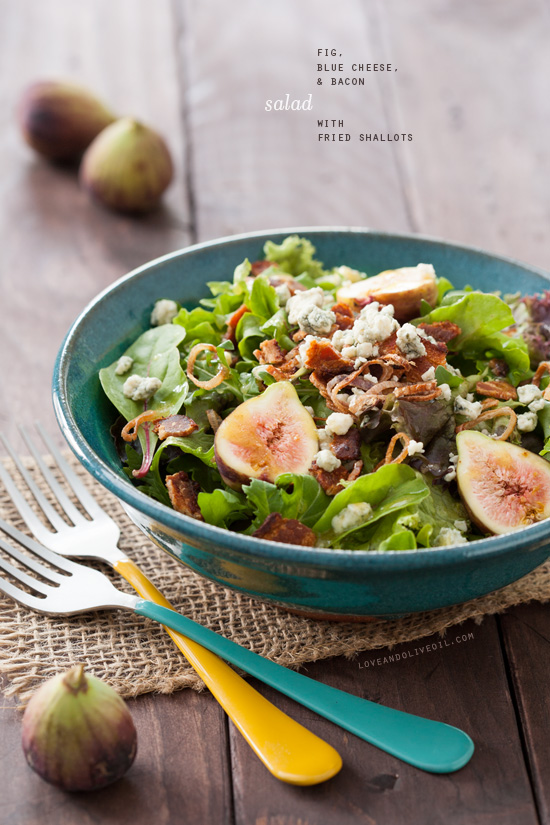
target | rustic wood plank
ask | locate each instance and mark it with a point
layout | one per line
(58, 248)
(463, 684)
(526, 634)
(256, 169)
(180, 774)
(472, 86)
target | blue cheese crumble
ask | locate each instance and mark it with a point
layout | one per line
(163, 312)
(351, 516)
(139, 388)
(124, 365)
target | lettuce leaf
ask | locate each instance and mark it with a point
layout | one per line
(223, 507)
(293, 496)
(294, 256)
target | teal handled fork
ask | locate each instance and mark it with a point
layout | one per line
(69, 588)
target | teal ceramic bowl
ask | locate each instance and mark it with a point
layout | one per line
(330, 583)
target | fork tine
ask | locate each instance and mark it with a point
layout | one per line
(86, 499)
(31, 563)
(21, 596)
(20, 575)
(65, 502)
(54, 518)
(39, 550)
(29, 516)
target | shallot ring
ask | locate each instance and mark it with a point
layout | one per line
(130, 430)
(388, 458)
(489, 404)
(424, 391)
(213, 382)
(543, 367)
(494, 413)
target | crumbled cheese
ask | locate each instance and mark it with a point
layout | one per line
(467, 407)
(528, 393)
(449, 536)
(408, 341)
(283, 294)
(303, 349)
(350, 274)
(139, 388)
(325, 437)
(375, 324)
(423, 334)
(349, 352)
(351, 516)
(453, 459)
(327, 460)
(451, 472)
(339, 423)
(303, 300)
(163, 312)
(527, 422)
(445, 391)
(453, 370)
(537, 404)
(367, 350)
(415, 447)
(316, 321)
(429, 375)
(124, 364)
(461, 525)
(310, 410)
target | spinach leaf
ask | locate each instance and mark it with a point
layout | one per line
(223, 507)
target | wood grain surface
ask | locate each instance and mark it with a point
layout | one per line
(471, 86)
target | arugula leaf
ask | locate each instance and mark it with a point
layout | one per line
(223, 507)
(150, 484)
(293, 496)
(390, 488)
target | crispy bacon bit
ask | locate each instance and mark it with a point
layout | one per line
(214, 419)
(330, 482)
(325, 360)
(217, 379)
(286, 531)
(257, 267)
(436, 355)
(347, 447)
(176, 425)
(345, 318)
(299, 336)
(270, 353)
(498, 366)
(130, 430)
(497, 389)
(388, 458)
(494, 413)
(287, 369)
(183, 494)
(229, 334)
(542, 370)
(443, 331)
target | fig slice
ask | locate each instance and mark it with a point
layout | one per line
(503, 486)
(404, 288)
(266, 436)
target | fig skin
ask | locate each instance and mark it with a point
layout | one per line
(78, 733)
(404, 288)
(60, 120)
(127, 167)
(265, 437)
(503, 486)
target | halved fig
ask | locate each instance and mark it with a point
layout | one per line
(504, 487)
(265, 437)
(405, 288)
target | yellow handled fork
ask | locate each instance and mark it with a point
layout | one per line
(288, 750)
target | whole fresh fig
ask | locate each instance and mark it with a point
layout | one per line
(78, 733)
(60, 120)
(127, 167)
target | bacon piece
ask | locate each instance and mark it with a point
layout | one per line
(299, 336)
(287, 369)
(499, 367)
(321, 357)
(183, 494)
(497, 389)
(345, 318)
(177, 425)
(442, 331)
(286, 531)
(436, 355)
(347, 447)
(330, 482)
(257, 267)
(270, 353)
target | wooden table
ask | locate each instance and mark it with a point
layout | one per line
(471, 87)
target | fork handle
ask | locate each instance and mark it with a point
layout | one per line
(288, 750)
(432, 746)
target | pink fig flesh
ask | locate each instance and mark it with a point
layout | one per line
(503, 486)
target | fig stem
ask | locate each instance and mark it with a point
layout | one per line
(75, 680)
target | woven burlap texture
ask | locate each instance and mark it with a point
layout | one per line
(136, 656)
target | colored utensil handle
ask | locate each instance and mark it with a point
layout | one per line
(289, 751)
(424, 743)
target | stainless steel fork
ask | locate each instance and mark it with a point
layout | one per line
(71, 588)
(284, 746)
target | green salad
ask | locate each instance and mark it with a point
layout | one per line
(322, 407)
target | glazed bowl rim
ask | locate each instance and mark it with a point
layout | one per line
(188, 528)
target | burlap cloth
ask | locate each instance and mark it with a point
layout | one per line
(136, 656)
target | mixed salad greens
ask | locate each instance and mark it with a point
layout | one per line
(326, 408)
